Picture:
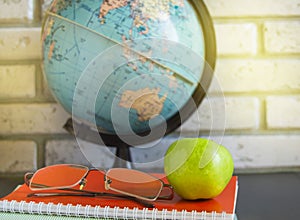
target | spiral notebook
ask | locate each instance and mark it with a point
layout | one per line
(221, 207)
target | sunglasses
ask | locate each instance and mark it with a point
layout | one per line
(118, 182)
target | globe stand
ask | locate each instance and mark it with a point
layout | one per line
(84, 132)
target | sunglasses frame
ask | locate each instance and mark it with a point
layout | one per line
(82, 182)
(163, 185)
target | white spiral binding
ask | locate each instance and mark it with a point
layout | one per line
(21, 206)
(107, 212)
(96, 212)
(4, 206)
(116, 212)
(125, 213)
(11, 207)
(164, 214)
(40, 208)
(30, 207)
(87, 211)
(154, 213)
(183, 214)
(194, 215)
(58, 209)
(144, 213)
(174, 213)
(135, 213)
(49, 208)
(213, 215)
(68, 210)
(77, 210)
(223, 215)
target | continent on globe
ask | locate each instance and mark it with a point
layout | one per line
(145, 101)
(158, 9)
(141, 11)
(108, 5)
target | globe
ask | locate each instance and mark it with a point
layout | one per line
(129, 68)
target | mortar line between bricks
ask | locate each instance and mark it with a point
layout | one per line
(263, 114)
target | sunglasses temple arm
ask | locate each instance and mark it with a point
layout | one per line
(171, 195)
(27, 178)
(92, 194)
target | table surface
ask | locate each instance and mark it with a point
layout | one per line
(273, 196)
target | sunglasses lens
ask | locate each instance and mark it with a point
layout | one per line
(133, 183)
(57, 176)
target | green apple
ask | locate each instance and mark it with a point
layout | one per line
(198, 168)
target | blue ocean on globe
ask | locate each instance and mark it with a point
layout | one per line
(122, 65)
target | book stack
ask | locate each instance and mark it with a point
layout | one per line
(17, 205)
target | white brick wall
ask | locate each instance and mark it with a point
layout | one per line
(283, 112)
(257, 69)
(282, 36)
(257, 75)
(230, 113)
(20, 43)
(32, 118)
(264, 151)
(21, 10)
(238, 38)
(253, 8)
(17, 156)
(69, 151)
(17, 81)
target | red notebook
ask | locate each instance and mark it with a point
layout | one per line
(222, 206)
